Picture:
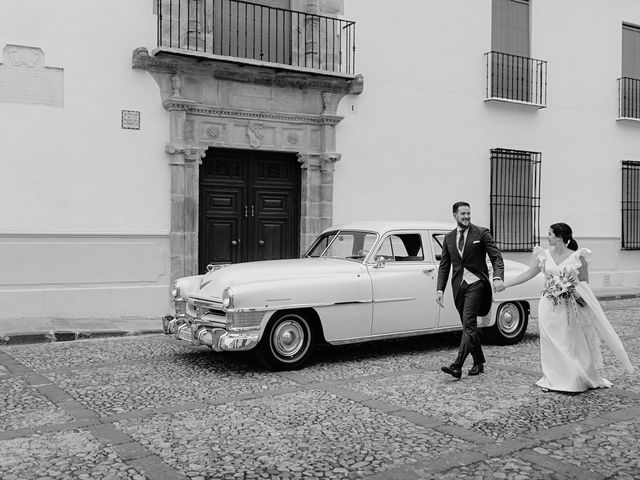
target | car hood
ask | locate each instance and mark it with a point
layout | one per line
(214, 282)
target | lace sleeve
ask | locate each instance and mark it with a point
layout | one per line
(538, 255)
(584, 253)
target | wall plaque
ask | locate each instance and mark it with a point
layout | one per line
(25, 79)
(131, 119)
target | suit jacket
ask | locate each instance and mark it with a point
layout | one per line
(478, 244)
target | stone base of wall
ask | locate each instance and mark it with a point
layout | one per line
(83, 275)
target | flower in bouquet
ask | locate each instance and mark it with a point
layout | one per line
(562, 287)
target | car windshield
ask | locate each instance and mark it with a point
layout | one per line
(349, 244)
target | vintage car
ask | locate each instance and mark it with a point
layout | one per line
(357, 282)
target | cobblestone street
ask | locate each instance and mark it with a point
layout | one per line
(144, 407)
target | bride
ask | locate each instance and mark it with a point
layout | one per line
(570, 328)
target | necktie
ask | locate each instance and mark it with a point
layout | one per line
(461, 240)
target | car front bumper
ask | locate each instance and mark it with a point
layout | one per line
(218, 339)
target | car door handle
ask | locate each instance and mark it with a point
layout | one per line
(429, 269)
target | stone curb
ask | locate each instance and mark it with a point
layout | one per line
(23, 338)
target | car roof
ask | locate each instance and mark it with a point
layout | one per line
(386, 225)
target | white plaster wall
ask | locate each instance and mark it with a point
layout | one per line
(86, 205)
(419, 136)
(74, 169)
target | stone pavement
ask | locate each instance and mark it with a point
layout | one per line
(145, 407)
(46, 330)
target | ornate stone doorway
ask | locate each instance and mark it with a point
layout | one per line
(219, 104)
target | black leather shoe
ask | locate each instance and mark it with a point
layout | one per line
(477, 369)
(452, 370)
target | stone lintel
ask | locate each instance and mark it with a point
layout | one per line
(173, 61)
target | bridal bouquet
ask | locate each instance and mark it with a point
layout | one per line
(559, 288)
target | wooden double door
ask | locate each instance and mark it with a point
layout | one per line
(249, 206)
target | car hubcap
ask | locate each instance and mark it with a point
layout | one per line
(288, 338)
(509, 319)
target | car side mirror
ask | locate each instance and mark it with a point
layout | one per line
(381, 261)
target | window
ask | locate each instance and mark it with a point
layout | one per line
(629, 84)
(511, 67)
(630, 205)
(437, 240)
(510, 27)
(515, 199)
(343, 244)
(402, 247)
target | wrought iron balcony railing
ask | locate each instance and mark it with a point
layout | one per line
(630, 204)
(628, 98)
(233, 28)
(517, 79)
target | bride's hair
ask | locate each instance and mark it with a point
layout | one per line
(564, 231)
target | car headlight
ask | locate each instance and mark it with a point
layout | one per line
(227, 298)
(175, 289)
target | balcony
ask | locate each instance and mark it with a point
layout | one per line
(251, 34)
(628, 99)
(516, 79)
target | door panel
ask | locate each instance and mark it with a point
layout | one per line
(403, 297)
(222, 249)
(448, 316)
(272, 241)
(249, 206)
(220, 219)
(403, 288)
(273, 237)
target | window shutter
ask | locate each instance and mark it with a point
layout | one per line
(630, 51)
(510, 27)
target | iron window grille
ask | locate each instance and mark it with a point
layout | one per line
(630, 205)
(628, 98)
(516, 79)
(515, 199)
(246, 30)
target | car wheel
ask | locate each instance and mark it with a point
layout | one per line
(287, 342)
(511, 323)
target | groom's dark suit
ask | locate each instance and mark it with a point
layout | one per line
(474, 299)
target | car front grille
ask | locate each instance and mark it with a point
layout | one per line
(198, 309)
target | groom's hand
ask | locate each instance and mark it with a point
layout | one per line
(440, 299)
(498, 285)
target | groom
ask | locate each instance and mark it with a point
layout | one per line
(466, 249)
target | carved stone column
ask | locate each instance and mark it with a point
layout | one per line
(312, 35)
(193, 158)
(184, 161)
(310, 209)
(194, 36)
(178, 187)
(327, 168)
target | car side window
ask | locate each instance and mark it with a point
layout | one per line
(354, 245)
(437, 240)
(402, 247)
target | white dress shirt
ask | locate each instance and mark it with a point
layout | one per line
(467, 276)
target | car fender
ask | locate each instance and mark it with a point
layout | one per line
(343, 303)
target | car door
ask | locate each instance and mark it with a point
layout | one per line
(448, 315)
(403, 282)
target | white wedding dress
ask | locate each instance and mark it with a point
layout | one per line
(570, 334)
